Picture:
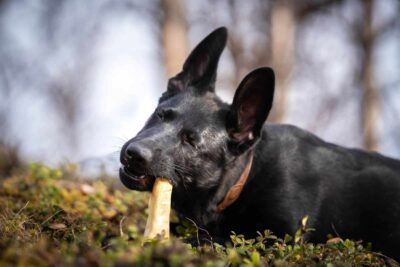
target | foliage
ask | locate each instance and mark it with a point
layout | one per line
(53, 217)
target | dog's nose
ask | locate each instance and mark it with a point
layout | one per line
(139, 155)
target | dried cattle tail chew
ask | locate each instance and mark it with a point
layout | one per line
(159, 210)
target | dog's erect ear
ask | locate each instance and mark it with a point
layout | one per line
(200, 68)
(251, 105)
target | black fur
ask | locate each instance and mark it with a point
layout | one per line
(203, 144)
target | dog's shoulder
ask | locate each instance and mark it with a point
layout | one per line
(290, 135)
(290, 139)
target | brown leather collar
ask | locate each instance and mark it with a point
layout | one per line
(236, 189)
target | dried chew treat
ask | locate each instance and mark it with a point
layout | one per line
(157, 225)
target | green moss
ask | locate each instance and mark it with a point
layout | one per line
(53, 217)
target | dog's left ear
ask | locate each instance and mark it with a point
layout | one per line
(250, 108)
(200, 68)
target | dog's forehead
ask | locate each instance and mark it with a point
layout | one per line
(187, 103)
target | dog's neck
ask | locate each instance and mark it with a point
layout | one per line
(231, 186)
(232, 192)
(236, 189)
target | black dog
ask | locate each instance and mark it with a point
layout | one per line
(231, 172)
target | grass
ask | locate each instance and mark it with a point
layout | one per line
(53, 217)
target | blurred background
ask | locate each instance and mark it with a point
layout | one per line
(79, 78)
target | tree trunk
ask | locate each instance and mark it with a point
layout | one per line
(283, 35)
(174, 36)
(369, 105)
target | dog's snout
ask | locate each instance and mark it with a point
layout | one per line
(139, 155)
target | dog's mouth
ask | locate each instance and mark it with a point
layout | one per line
(136, 181)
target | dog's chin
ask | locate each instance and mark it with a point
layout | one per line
(136, 182)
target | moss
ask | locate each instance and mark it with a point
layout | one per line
(53, 217)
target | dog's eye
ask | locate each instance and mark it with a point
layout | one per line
(189, 137)
(160, 114)
(164, 114)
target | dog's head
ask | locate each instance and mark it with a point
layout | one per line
(192, 136)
